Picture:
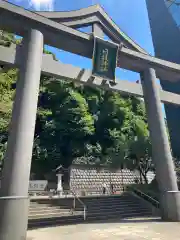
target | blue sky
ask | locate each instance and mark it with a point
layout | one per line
(129, 15)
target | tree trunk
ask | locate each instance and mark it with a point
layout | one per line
(66, 173)
(66, 179)
(141, 181)
(145, 177)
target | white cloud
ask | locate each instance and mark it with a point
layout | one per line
(44, 5)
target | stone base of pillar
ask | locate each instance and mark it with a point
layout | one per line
(14, 217)
(170, 206)
(60, 192)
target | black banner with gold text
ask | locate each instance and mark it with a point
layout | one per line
(104, 59)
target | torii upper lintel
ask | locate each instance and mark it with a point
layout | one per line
(90, 15)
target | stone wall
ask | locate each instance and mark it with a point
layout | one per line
(91, 179)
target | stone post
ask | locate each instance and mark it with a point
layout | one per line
(14, 200)
(59, 184)
(97, 30)
(166, 176)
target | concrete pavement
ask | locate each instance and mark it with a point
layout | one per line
(131, 229)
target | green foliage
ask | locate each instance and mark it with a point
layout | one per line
(79, 124)
(3, 146)
(113, 119)
(117, 154)
(67, 125)
(6, 38)
(48, 52)
(140, 153)
(7, 82)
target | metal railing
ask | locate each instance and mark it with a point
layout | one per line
(146, 197)
(81, 202)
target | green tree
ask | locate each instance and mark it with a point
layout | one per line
(140, 151)
(114, 118)
(6, 38)
(67, 127)
(7, 89)
(117, 154)
(75, 122)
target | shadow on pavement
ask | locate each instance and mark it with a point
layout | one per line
(105, 221)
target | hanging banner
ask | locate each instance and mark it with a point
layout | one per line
(105, 59)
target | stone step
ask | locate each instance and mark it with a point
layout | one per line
(113, 207)
(39, 205)
(109, 208)
(67, 201)
(128, 203)
(47, 213)
(109, 201)
(34, 206)
(39, 223)
(89, 208)
(91, 204)
(54, 221)
(43, 206)
(57, 208)
(96, 212)
(49, 210)
(48, 207)
(53, 214)
(117, 216)
(92, 198)
(84, 199)
(118, 211)
(75, 219)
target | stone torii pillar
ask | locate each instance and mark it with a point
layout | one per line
(165, 172)
(14, 200)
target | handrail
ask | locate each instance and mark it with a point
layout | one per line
(148, 197)
(80, 201)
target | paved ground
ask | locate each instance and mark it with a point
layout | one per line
(139, 229)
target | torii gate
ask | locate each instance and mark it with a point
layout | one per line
(57, 29)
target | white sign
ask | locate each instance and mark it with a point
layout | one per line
(37, 185)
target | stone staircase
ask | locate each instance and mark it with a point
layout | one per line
(46, 212)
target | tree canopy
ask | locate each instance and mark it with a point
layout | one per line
(81, 124)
